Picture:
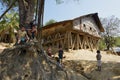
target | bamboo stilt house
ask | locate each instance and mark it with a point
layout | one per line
(79, 33)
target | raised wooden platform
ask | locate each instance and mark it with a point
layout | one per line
(79, 33)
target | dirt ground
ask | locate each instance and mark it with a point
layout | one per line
(91, 56)
(2, 47)
(80, 55)
(80, 64)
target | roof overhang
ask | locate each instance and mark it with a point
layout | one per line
(94, 15)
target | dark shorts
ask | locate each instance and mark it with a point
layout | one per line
(22, 41)
(49, 54)
(60, 56)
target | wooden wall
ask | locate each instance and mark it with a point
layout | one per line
(82, 33)
(61, 28)
(87, 25)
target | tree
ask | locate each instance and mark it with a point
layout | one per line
(111, 26)
(50, 22)
(8, 25)
(26, 8)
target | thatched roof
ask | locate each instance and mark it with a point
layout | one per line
(94, 15)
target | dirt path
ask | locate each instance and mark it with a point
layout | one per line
(2, 47)
(91, 56)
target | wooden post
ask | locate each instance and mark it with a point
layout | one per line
(73, 45)
(70, 38)
(66, 40)
(78, 41)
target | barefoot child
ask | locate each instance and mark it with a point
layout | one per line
(98, 57)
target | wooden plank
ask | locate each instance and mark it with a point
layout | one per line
(65, 40)
(83, 42)
(68, 40)
(77, 41)
(73, 45)
(80, 42)
(71, 40)
(90, 43)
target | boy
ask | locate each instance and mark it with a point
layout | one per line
(60, 54)
(98, 57)
(22, 36)
(58, 66)
(33, 31)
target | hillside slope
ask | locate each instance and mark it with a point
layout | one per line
(29, 63)
(84, 62)
(90, 55)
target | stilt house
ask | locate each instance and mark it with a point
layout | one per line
(80, 33)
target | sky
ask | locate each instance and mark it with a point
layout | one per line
(71, 9)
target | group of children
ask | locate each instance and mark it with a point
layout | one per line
(25, 35)
(60, 55)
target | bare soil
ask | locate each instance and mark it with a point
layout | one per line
(90, 56)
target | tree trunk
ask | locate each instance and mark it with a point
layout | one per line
(108, 47)
(26, 11)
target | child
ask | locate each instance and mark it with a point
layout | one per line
(60, 54)
(22, 36)
(49, 51)
(58, 63)
(98, 57)
(33, 32)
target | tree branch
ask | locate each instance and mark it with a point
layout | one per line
(8, 9)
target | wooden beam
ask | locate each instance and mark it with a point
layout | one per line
(80, 42)
(77, 41)
(73, 45)
(71, 39)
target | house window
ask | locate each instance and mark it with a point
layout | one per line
(84, 25)
(90, 28)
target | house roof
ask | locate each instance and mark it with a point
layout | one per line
(57, 23)
(96, 18)
(94, 15)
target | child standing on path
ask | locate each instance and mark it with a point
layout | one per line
(60, 54)
(98, 57)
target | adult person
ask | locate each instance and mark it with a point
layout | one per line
(98, 57)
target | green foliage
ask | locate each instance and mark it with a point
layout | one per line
(50, 22)
(101, 44)
(8, 3)
(8, 25)
(111, 26)
(117, 41)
